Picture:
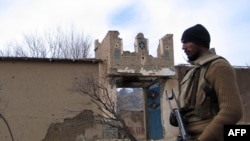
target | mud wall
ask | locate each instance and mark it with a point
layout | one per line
(39, 104)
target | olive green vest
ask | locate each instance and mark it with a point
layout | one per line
(197, 98)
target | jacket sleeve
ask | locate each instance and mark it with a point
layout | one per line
(222, 77)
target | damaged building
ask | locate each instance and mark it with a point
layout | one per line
(40, 103)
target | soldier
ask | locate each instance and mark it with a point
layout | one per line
(209, 95)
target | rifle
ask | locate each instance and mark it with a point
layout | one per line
(177, 114)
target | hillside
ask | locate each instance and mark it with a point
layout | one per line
(130, 100)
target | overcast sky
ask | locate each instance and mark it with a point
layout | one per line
(228, 21)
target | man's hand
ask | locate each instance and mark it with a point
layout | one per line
(172, 119)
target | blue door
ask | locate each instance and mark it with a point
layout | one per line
(154, 111)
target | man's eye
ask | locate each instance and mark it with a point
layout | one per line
(184, 41)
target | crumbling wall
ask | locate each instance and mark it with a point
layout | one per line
(36, 94)
(139, 62)
(71, 128)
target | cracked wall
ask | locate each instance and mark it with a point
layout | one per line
(38, 93)
(71, 128)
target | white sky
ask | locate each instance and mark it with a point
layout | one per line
(228, 21)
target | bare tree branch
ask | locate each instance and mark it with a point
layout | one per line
(57, 43)
(102, 97)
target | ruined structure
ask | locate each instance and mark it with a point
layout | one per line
(38, 100)
(138, 68)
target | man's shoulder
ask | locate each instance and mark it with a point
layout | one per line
(220, 61)
(220, 65)
(206, 59)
